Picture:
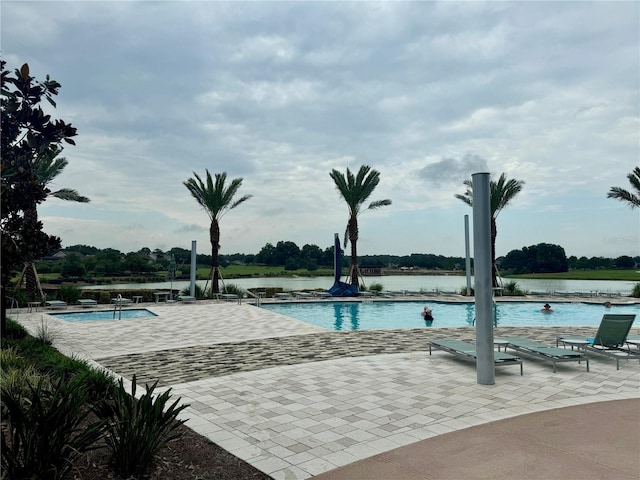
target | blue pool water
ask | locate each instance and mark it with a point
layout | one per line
(104, 315)
(340, 316)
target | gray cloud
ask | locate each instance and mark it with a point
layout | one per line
(280, 93)
(452, 170)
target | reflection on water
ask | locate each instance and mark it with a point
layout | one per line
(471, 313)
(349, 310)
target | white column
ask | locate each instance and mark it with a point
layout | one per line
(485, 367)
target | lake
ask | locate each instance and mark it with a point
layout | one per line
(391, 282)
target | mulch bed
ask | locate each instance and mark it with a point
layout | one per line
(189, 457)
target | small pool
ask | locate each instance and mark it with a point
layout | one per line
(104, 315)
(339, 316)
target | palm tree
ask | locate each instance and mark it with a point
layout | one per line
(500, 194)
(633, 199)
(47, 167)
(355, 191)
(216, 199)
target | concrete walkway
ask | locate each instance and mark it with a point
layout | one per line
(595, 441)
(297, 402)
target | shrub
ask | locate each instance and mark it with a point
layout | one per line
(16, 373)
(511, 288)
(198, 291)
(463, 291)
(100, 384)
(376, 287)
(69, 293)
(44, 429)
(21, 297)
(138, 428)
(233, 288)
(635, 291)
(14, 330)
(45, 333)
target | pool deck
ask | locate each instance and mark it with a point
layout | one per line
(297, 401)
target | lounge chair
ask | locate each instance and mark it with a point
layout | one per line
(121, 301)
(545, 352)
(611, 338)
(633, 340)
(87, 302)
(186, 298)
(229, 296)
(55, 304)
(467, 351)
(302, 295)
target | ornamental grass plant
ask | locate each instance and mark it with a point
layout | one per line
(138, 427)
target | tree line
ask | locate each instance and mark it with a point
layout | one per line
(549, 258)
(83, 260)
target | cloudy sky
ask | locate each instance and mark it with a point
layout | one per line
(280, 93)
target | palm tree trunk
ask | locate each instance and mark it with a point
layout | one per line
(353, 238)
(214, 236)
(494, 234)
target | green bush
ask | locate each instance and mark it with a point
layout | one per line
(635, 291)
(138, 428)
(233, 289)
(376, 287)
(69, 294)
(463, 291)
(46, 333)
(14, 331)
(511, 288)
(44, 429)
(198, 291)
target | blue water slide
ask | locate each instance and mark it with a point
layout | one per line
(340, 289)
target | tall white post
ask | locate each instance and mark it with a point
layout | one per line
(192, 289)
(485, 367)
(467, 253)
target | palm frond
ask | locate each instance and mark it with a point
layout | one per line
(378, 204)
(619, 193)
(69, 195)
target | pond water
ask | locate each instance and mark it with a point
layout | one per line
(339, 316)
(392, 282)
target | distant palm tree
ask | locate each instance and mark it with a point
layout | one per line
(633, 199)
(47, 167)
(216, 199)
(500, 194)
(355, 191)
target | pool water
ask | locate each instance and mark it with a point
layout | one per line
(340, 316)
(104, 315)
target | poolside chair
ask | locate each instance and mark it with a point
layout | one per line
(633, 340)
(468, 352)
(186, 298)
(55, 304)
(611, 338)
(544, 352)
(119, 301)
(87, 302)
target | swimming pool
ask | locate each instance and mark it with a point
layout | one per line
(104, 315)
(340, 316)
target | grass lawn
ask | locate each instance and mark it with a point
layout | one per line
(624, 275)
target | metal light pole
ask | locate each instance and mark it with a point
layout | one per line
(192, 289)
(467, 253)
(485, 367)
